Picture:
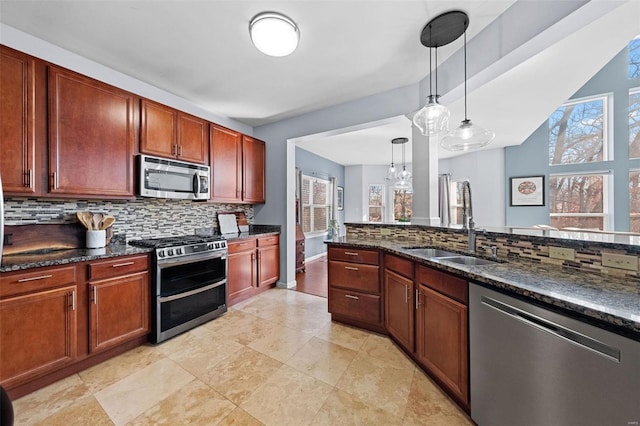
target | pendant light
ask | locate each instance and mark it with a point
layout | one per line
(274, 34)
(392, 172)
(404, 177)
(433, 118)
(467, 136)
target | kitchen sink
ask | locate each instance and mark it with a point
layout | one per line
(468, 260)
(430, 252)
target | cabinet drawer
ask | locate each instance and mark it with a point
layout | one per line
(118, 267)
(271, 240)
(354, 255)
(355, 276)
(241, 245)
(355, 305)
(447, 284)
(22, 282)
(399, 265)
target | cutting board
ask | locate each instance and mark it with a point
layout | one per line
(228, 224)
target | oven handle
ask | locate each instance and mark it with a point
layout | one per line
(164, 263)
(192, 292)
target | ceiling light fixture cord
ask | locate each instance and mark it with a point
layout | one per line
(465, 75)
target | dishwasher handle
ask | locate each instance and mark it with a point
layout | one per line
(560, 331)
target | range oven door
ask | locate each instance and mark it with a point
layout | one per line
(189, 291)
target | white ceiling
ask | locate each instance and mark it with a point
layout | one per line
(201, 51)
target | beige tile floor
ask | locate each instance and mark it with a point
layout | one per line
(276, 359)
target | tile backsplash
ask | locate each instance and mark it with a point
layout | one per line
(139, 218)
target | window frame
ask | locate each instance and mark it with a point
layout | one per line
(382, 202)
(607, 128)
(328, 206)
(632, 91)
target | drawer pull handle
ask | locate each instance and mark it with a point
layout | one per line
(117, 265)
(348, 296)
(350, 253)
(41, 277)
(351, 268)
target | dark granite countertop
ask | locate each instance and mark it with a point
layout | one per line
(612, 302)
(21, 261)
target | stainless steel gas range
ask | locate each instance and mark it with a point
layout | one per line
(189, 283)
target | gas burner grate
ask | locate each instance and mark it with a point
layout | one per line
(172, 241)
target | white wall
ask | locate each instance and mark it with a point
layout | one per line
(486, 173)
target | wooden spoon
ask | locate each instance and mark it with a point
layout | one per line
(96, 218)
(107, 222)
(85, 219)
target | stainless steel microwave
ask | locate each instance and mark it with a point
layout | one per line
(163, 178)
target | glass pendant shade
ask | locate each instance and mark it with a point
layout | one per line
(433, 118)
(392, 173)
(466, 137)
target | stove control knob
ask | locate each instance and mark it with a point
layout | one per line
(170, 252)
(210, 246)
(179, 251)
(217, 245)
(161, 253)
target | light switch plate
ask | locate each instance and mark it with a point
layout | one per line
(620, 261)
(562, 253)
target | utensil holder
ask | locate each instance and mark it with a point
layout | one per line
(96, 239)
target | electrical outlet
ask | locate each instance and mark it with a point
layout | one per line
(385, 231)
(620, 261)
(562, 253)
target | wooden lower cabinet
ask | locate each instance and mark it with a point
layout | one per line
(119, 310)
(253, 265)
(56, 321)
(38, 334)
(399, 308)
(354, 287)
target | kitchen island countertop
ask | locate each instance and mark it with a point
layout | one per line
(610, 301)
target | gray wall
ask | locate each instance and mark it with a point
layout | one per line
(532, 157)
(314, 165)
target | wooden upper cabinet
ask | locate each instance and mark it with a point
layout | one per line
(92, 135)
(22, 121)
(226, 165)
(253, 170)
(167, 132)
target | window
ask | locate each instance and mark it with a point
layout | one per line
(455, 209)
(579, 201)
(402, 205)
(316, 204)
(634, 200)
(634, 123)
(634, 58)
(376, 202)
(577, 132)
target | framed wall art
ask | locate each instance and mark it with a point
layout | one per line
(527, 191)
(340, 198)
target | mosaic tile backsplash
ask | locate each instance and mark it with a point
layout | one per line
(139, 218)
(588, 255)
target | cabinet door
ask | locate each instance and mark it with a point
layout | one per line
(92, 137)
(119, 310)
(442, 340)
(192, 138)
(157, 130)
(241, 274)
(268, 265)
(253, 169)
(226, 165)
(17, 126)
(399, 309)
(38, 334)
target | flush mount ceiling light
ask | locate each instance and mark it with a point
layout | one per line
(467, 136)
(433, 118)
(274, 34)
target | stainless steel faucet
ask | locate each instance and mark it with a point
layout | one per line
(467, 215)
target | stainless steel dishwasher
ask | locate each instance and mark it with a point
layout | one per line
(532, 366)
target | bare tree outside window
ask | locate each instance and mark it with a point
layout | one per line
(634, 58)
(376, 202)
(576, 133)
(634, 123)
(577, 201)
(316, 204)
(402, 205)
